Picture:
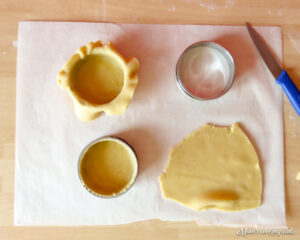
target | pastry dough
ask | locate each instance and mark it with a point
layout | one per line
(99, 79)
(298, 176)
(108, 167)
(214, 167)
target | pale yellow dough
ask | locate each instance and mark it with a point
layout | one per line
(214, 167)
(99, 79)
(108, 167)
(298, 176)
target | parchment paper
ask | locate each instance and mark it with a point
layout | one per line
(49, 138)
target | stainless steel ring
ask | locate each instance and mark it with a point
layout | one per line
(229, 60)
(99, 140)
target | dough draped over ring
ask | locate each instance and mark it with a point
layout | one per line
(99, 79)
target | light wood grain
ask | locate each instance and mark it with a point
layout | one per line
(267, 12)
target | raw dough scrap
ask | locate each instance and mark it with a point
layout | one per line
(214, 167)
(298, 176)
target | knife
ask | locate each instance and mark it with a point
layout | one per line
(282, 78)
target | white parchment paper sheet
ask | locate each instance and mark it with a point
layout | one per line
(49, 138)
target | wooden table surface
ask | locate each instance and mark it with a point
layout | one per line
(229, 12)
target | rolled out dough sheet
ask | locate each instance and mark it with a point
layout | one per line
(214, 167)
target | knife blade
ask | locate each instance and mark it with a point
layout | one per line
(282, 77)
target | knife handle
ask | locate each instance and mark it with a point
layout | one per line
(290, 90)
